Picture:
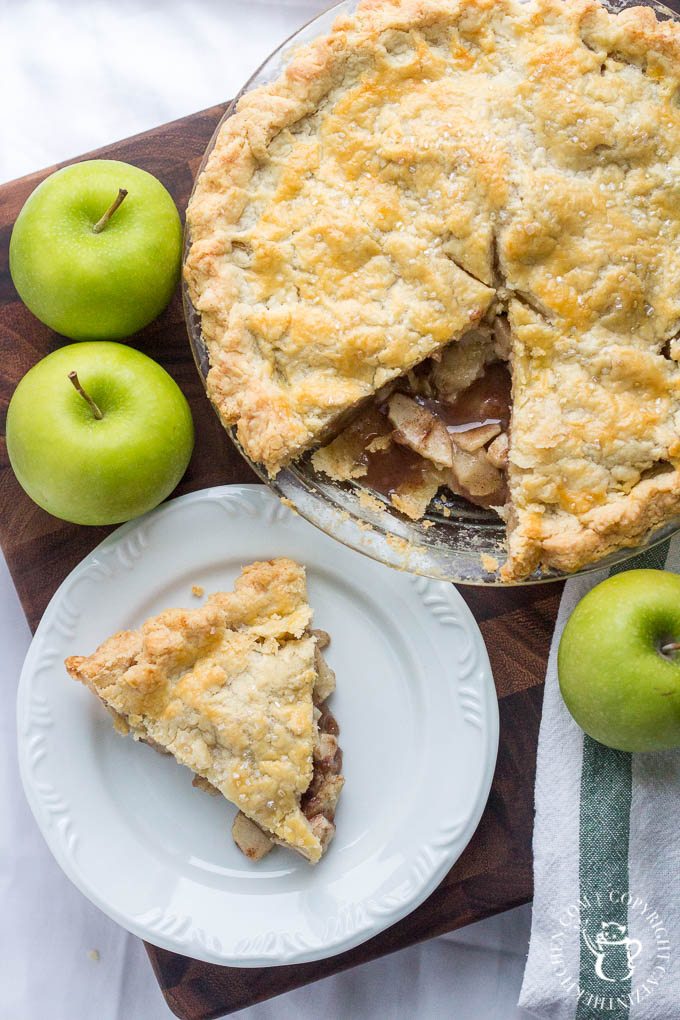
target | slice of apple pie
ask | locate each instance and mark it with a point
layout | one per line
(236, 690)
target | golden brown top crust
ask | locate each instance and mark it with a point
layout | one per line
(227, 689)
(425, 162)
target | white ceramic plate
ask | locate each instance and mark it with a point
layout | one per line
(418, 725)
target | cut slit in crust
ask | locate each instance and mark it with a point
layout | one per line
(234, 691)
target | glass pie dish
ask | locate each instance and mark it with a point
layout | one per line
(455, 540)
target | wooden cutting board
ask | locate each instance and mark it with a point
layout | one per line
(494, 872)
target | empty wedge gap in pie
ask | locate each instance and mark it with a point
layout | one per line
(424, 136)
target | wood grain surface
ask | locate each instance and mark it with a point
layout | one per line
(494, 873)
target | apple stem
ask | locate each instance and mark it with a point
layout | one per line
(100, 224)
(672, 647)
(73, 376)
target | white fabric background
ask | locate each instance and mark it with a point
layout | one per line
(74, 75)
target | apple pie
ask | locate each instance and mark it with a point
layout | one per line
(236, 690)
(442, 250)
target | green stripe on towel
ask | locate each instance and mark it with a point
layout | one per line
(606, 791)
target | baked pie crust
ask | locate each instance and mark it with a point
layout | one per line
(425, 167)
(235, 690)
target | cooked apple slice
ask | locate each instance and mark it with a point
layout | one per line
(474, 439)
(419, 429)
(474, 472)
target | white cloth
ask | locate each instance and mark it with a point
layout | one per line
(605, 928)
(75, 75)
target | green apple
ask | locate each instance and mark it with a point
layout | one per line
(97, 433)
(619, 661)
(89, 276)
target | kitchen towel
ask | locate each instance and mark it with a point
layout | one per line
(605, 932)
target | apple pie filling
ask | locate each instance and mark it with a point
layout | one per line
(444, 425)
